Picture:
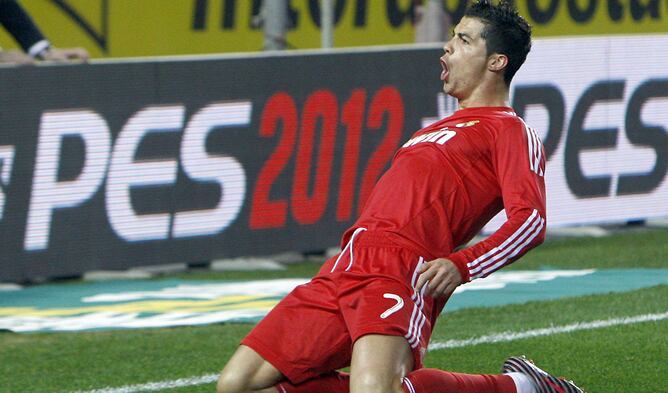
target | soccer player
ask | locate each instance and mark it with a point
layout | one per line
(373, 306)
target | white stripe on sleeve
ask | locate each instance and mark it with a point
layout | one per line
(532, 235)
(473, 266)
(531, 147)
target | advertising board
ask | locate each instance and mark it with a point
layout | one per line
(119, 164)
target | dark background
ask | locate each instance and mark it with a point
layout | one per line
(81, 238)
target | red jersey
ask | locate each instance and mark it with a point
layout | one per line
(451, 178)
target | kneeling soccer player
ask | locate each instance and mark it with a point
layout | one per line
(373, 306)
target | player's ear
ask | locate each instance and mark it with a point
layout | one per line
(497, 62)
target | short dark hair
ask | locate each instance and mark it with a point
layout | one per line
(506, 32)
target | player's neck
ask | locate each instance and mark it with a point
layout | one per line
(492, 94)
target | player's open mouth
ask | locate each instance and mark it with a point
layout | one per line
(445, 71)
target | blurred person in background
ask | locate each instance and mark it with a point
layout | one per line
(431, 22)
(35, 46)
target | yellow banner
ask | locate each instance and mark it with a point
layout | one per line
(588, 17)
(121, 28)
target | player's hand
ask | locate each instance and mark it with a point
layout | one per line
(66, 54)
(15, 57)
(441, 276)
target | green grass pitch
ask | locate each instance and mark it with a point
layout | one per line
(629, 358)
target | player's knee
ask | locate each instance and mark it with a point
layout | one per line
(231, 382)
(373, 382)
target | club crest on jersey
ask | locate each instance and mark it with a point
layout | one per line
(467, 124)
(441, 136)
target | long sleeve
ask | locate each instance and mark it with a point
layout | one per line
(21, 26)
(519, 163)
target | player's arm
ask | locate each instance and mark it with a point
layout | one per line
(519, 163)
(21, 26)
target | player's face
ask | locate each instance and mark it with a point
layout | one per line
(465, 60)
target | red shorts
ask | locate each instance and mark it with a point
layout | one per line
(367, 289)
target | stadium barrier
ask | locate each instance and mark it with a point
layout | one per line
(130, 163)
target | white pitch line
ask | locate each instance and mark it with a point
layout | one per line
(489, 339)
(511, 336)
(156, 386)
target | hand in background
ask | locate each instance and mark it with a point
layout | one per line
(15, 57)
(66, 54)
